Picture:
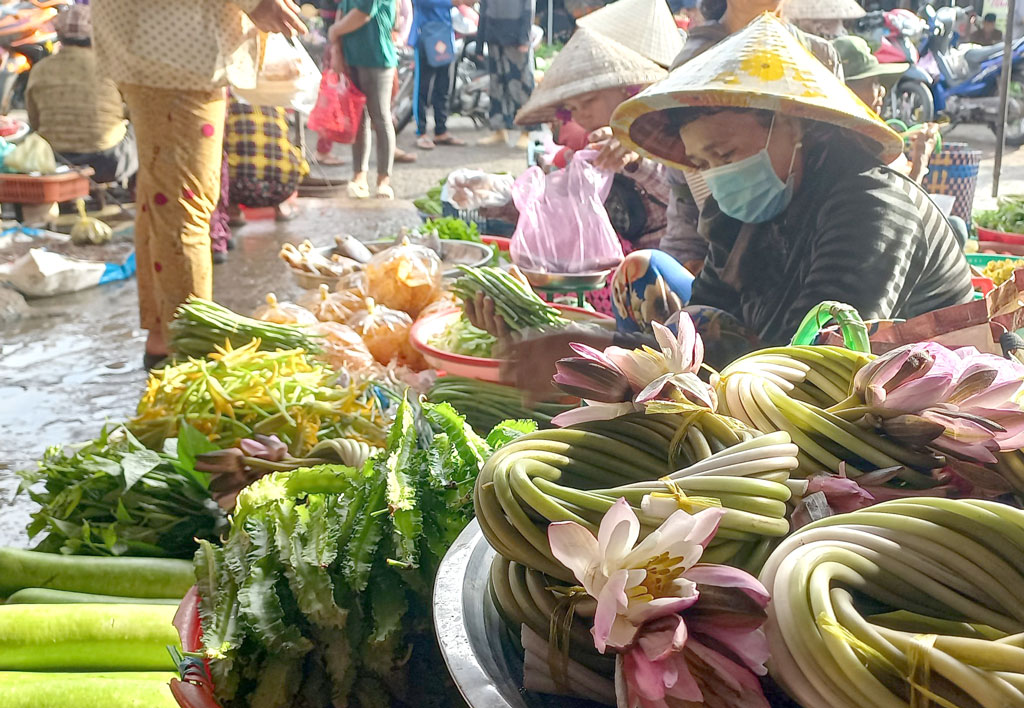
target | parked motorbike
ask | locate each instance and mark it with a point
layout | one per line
(960, 83)
(26, 36)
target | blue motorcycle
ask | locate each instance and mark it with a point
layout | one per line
(957, 83)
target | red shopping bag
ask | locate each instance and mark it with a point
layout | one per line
(339, 108)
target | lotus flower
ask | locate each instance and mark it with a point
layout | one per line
(264, 447)
(618, 381)
(633, 582)
(962, 402)
(670, 666)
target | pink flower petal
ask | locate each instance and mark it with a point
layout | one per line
(610, 603)
(592, 411)
(662, 637)
(641, 613)
(724, 576)
(574, 547)
(750, 647)
(618, 532)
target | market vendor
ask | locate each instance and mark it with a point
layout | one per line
(802, 210)
(588, 79)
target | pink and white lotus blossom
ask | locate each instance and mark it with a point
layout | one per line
(632, 582)
(618, 381)
(963, 402)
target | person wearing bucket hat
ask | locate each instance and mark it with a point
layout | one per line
(864, 74)
(80, 113)
(871, 80)
(803, 208)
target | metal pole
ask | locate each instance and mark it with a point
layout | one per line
(551, 22)
(1004, 94)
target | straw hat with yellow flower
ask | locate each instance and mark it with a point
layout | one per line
(761, 67)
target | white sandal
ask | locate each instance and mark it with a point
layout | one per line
(358, 190)
(384, 191)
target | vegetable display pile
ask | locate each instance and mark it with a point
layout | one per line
(674, 461)
(201, 326)
(84, 632)
(113, 496)
(465, 339)
(321, 592)
(452, 228)
(520, 306)
(913, 602)
(486, 404)
(236, 393)
(430, 204)
(1008, 216)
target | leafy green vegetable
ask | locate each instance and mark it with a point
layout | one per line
(323, 585)
(452, 229)
(113, 496)
(431, 203)
(461, 337)
(1008, 216)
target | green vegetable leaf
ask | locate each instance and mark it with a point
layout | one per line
(136, 465)
(508, 431)
(402, 475)
(388, 606)
(191, 444)
(366, 534)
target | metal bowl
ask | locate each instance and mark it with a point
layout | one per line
(453, 253)
(569, 282)
(481, 655)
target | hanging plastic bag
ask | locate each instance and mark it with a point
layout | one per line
(288, 77)
(338, 110)
(563, 226)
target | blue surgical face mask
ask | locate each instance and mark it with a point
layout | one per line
(749, 190)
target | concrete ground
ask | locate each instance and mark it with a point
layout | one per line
(74, 362)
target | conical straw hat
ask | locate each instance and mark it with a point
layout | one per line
(821, 10)
(588, 62)
(762, 66)
(645, 26)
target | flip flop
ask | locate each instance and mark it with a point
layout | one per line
(330, 160)
(384, 191)
(424, 143)
(448, 140)
(357, 190)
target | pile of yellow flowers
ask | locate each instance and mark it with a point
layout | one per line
(236, 393)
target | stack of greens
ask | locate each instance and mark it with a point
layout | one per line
(431, 203)
(321, 593)
(116, 497)
(1008, 216)
(519, 306)
(449, 228)
(486, 404)
(201, 326)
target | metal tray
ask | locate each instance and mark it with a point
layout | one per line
(453, 253)
(568, 282)
(482, 657)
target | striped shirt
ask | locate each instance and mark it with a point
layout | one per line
(856, 232)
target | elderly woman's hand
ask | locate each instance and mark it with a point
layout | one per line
(481, 314)
(611, 154)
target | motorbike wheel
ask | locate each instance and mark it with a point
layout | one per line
(912, 103)
(1014, 133)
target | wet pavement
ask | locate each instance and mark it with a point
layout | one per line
(74, 362)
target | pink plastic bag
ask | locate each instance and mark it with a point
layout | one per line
(339, 109)
(563, 226)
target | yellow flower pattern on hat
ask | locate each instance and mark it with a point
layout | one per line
(766, 66)
(762, 66)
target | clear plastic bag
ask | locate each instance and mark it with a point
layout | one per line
(404, 277)
(344, 349)
(386, 334)
(283, 312)
(333, 307)
(470, 190)
(563, 226)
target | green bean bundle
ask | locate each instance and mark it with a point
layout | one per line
(905, 603)
(200, 326)
(486, 404)
(577, 474)
(520, 307)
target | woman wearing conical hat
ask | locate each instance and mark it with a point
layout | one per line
(803, 208)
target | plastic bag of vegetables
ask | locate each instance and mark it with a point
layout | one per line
(332, 307)
(404, 277)
(386, 334)
(89, 230)
(283, 312)
(33, 155)
(343, 348)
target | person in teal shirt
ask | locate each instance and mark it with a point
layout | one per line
(364, 51)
